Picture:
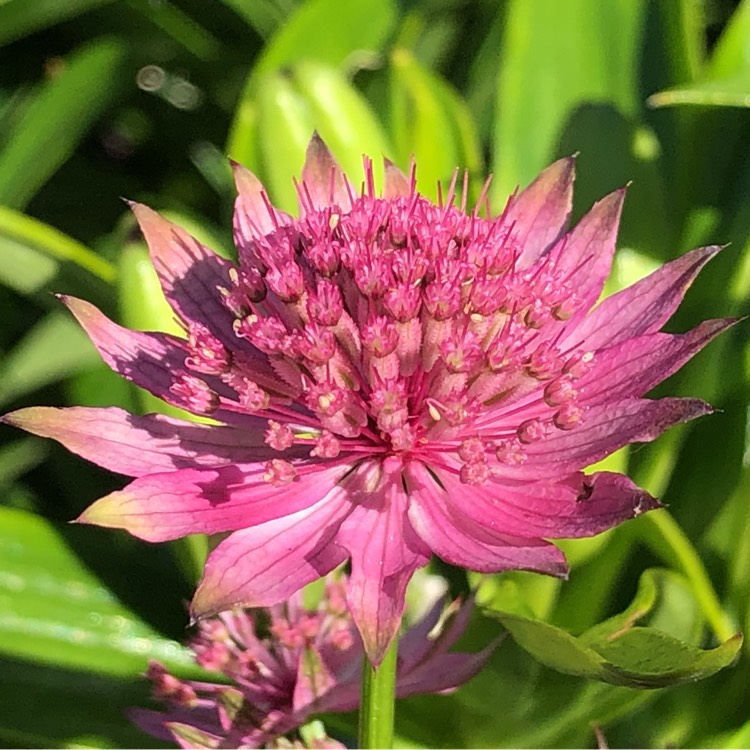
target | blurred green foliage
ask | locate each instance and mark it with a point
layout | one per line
(146, 98)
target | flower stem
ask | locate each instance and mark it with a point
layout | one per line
(376, 709)
(683, 553)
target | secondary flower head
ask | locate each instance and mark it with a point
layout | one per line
(388, 379)
(287, 663)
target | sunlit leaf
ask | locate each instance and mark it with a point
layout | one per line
(619, 651)
(721, 92)
(33, 254)
(56, 612)
(421, 124)
(726, 79)
(324, 31)
(329, 31)
(343, 118)
(555, 58)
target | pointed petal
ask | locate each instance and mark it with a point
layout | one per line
(134, 446)
(264, 565)
(190, 274)
(540, 212)
(417, 646)
(151, 722)
(444, 673)
(254, 215)
(146, 359)
(584, 256)
(641, 308)
(314, 680)
(150, 360)
(607, 490)
(606, 428)
(323, 182)
(396, 182)
(188, 737)
(551, 511)
(159, 507)
(384, 552)
(460, 541)
(634, 366)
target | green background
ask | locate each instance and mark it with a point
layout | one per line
(146, 98)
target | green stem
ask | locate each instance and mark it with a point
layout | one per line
(376, 709)
(683, 552)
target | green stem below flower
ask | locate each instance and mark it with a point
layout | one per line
(377, 705)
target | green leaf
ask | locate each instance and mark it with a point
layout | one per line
(620, 652)
(726, 82)
(285, 124)
(557, 57)
(35, 254)
(429, 123)
(242, 141)
(307, 97)
(21, 17)
(324, 31)
(181, 27)
(42, 706)
(60, 115)
(20, 456)
(53, 349)
(730, 52)
(55, 611)
(541, 707)
(738, 739)
(343, 118)
(262, 15)
(331, 32)
(718, 92)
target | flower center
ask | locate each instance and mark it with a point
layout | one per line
(397, 326)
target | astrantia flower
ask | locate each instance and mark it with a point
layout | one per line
(389, 379)
(287, 663)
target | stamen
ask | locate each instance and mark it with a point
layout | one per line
(476, 473)
(279, 472)
(510, 452)
(569, 416)
(278, 436)
(326, 446)
(472, 450)
(195, 394)
(531, 431)
(207, 354)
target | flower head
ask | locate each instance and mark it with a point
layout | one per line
(388, 379)
(288, 663)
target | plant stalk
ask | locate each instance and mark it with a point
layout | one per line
(378, 698)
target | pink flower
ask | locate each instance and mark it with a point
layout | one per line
(308, 662)
(389, 379)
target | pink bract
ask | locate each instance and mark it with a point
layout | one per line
(390, 379)
(289, 663)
